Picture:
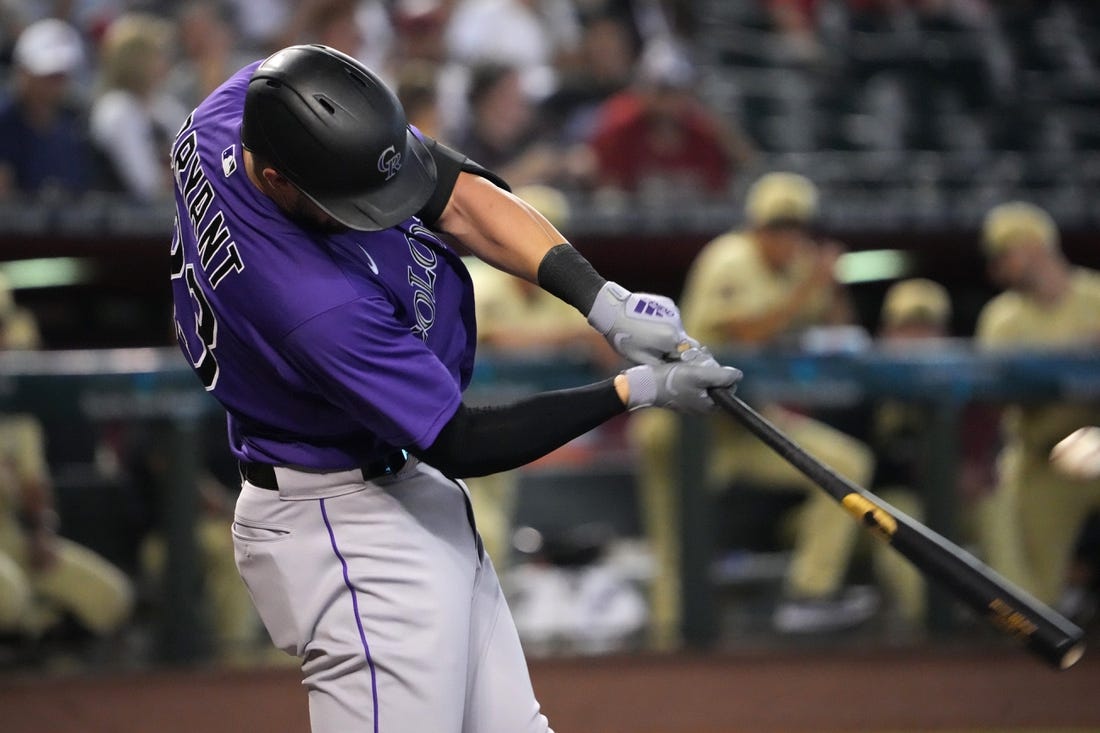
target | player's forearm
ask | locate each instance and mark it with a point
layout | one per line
(765, 326)
(481, 441)
(758, 329)
(498, 227)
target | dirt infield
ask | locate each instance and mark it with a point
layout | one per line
(755, 692)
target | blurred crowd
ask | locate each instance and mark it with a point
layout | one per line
(603, 96)
(593, 95)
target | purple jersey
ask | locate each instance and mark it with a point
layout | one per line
(327, 350)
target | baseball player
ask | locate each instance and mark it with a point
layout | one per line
(43, 575)
(915, 315)
(316, 301)
(753, 287)
(1047, 304)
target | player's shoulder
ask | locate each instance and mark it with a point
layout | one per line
(997, 316)
(1087, 282)
(1002, 304)
(729, 255)
(732, 245)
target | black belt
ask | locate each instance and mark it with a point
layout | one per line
(262, 475)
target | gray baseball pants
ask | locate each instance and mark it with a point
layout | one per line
(382, 589)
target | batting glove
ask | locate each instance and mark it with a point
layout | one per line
(644, 328)
(679, 385)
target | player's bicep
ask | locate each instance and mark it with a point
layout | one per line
(498, 227)
(449, 165)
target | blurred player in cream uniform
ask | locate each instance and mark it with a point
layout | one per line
(1047, 304)
(915, 315)
(518, 317)
(748, 288)
(42, 575)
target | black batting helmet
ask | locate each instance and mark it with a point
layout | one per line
(338, 133)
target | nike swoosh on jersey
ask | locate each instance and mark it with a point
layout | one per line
(370, 260)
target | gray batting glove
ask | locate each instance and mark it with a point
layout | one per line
(644, 328)
(679, 385)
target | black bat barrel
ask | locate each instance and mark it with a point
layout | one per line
(1007, 608)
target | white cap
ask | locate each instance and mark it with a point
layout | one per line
(49, 46)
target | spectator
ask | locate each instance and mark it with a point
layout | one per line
(502, 134)
(360, 28)
(334, 24)
(755, 288)
(43, 148)
(420, 28)
(262, 24)
(795, 21)
(1047, 304)
(535, 36)
(210, 55)
(608, 56)
(133, 119)
(658, 137)
(418, 92)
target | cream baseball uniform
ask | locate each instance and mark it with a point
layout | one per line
(729, 276)
(79, 581)
(1049, 508)
(504, 307)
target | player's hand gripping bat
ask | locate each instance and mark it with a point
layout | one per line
(1006, 607)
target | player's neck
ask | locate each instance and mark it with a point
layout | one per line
(253, 174)
(1051, 282)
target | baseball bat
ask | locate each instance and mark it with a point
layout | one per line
(1006, 607)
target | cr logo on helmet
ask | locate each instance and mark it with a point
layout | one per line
(389, 162)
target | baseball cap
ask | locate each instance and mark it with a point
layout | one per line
(49, 46)
(1015, 223)
(916, 300)
(781, 198)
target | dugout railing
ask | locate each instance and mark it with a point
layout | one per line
(75, 392)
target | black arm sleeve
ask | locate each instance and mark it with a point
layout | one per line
(448, 164)
(565, 273)
(478, 441)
